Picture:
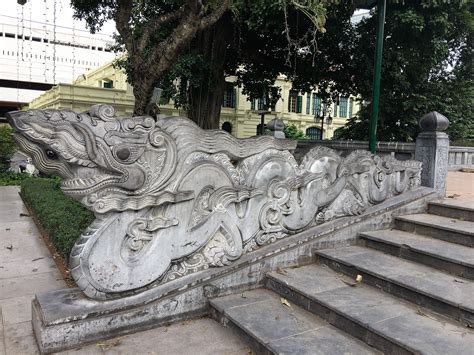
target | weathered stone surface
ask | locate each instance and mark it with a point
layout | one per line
(283, 328)
(448, 229)
(84, 320)
(432, 148)
(421, 284)
(454, 258)
(390, 324)
(460, 209)
(172, 199)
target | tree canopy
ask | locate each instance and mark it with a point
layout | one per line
(153, 33)
(427, 66)
(188, 47)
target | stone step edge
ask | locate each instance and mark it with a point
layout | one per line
(334, 321)
(434, 226)
(455, 207)
(417, 249)
(221, 316)
(397, 283)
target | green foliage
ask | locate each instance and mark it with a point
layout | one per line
(293, 132)
(7, 146)
(8, 178)
(427, 66)
(63, 218)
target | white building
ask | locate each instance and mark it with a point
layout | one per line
(35, 56)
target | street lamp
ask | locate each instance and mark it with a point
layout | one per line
(381, 5)
(321, 115)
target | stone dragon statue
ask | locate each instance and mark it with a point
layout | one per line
(171, 199)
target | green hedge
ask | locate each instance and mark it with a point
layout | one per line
(63, 218)
(9, 178)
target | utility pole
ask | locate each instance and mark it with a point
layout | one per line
(381, 4)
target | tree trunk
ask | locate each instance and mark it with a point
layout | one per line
(205, 101)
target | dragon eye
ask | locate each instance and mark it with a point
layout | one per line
(51, 154)
(123, 153)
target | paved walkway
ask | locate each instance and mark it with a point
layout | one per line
(460, 185)
(27, 267)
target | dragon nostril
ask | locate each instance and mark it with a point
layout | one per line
(123, 153)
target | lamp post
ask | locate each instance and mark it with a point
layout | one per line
(321, 114)
(377, 73)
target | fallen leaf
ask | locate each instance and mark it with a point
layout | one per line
(355, 283)
(285, 302)
(461, 282)
(35, 259)
(421, 313)
(243, 296)
(24, 215)
(9, 247)
(281, 271)
(453, 196)
(109, 344)
(7, 229)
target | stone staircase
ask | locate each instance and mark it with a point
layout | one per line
(416, 294)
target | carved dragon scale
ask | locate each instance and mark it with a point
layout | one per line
(171, 199)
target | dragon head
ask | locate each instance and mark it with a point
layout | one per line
(102, 160)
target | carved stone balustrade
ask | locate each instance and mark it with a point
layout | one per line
(171, 199)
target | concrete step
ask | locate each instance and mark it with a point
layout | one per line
(272, 327)
(453, 258)
(459, 209)
(445, 228)
(385, 322)
(439, 291)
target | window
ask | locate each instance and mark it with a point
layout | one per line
(229, 97)
(295, 102)
(351, 102)
(261, 104)
(252, 104)
(316, 105)
(108, 84)
(313, 133)
(343, 107)
(308, 103)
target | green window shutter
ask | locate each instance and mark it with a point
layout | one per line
(234, 95)
(252, 104)
(343, 107)
(299, 104)
(308, 102)
(350, 107)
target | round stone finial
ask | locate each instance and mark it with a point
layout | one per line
(276, 125)
(434, 121)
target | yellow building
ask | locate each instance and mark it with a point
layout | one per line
(238, 115)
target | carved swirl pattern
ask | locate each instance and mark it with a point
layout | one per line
(172, 199)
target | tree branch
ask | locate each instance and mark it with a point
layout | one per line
(122, 22)
(210, 19)
(157, 22)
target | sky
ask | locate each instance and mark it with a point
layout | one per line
(42, 14)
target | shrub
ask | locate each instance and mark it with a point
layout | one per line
(8, 178)
(7, 147)
(63, 218)
(293, 132)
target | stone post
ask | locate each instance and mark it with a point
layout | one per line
(432, 149)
